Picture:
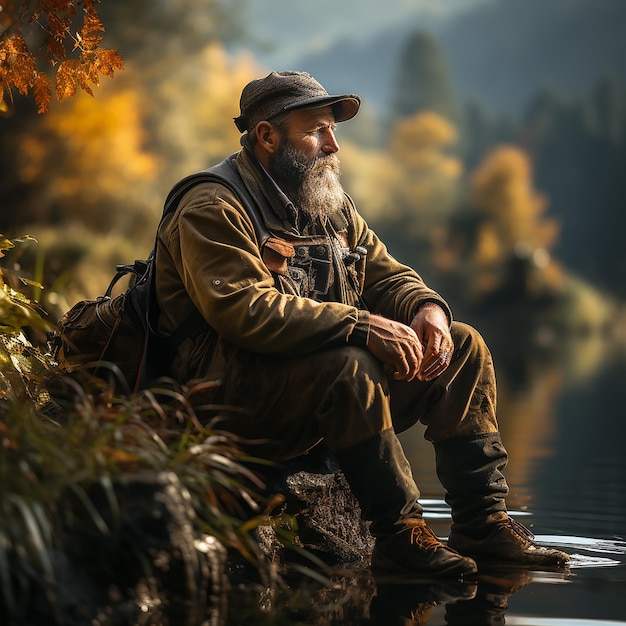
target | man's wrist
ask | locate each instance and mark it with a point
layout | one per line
(440, 304)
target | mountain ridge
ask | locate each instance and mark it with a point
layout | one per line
(499, 53)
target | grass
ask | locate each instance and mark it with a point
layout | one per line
(72, 455)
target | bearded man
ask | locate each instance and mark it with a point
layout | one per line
(318, 334)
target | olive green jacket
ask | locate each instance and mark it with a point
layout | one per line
(208, 256)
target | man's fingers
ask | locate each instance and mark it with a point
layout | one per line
(435, 365)
(397, 346)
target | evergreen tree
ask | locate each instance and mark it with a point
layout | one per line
(423, 82)
(482, 131)
(578, 145)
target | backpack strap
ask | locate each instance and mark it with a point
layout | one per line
(224, 173)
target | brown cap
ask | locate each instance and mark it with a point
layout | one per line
(265, 98)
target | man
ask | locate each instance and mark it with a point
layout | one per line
(319, 334)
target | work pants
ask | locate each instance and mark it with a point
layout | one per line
(281, 407)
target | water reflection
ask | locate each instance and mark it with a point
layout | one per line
(493, 598)
(560, 409)
(357, 599)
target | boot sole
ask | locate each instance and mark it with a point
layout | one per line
(548, 563)
(493, 562)
(384, 565)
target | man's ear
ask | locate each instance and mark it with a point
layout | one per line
(268, 137)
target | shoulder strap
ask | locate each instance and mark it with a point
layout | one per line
(226, 174)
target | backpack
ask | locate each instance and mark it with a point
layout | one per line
(118, 334)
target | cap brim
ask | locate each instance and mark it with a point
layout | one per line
(345, 107)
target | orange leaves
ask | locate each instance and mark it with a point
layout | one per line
(67, 79)
(85, 71)
(90, 35)
(42, 90)
(19, 66)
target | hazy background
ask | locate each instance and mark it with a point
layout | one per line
(489, 150)
(489, 153)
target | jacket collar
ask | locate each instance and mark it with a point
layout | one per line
(259, 181)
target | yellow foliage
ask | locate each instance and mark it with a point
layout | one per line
(427, 184)
(104, 140)
(419, 144)
(368, 176)
(424, 130)
(89, 161)
(199, 103)
(16, 310)
(488, 245)
(503, 194)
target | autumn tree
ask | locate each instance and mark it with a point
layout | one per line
(513, 230)
(409, 192)
(91, 177)
(420, 146)
(62, 37)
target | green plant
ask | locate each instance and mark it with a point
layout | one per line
(67, 440)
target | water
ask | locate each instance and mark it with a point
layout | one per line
(562, 418)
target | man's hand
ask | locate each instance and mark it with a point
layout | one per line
(431, 327)
(396, 345)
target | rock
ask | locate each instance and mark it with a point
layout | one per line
(328, 516)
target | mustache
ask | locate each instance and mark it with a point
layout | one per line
(323, 161)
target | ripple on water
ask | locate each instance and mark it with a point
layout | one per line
(590, 545)
(512, 620)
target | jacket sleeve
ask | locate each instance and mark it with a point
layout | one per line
(212, 243)
(391, 288)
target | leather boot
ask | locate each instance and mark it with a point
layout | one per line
(381, 480)
(470, 470)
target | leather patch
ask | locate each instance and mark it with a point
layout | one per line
(275, 254)
(284, 248)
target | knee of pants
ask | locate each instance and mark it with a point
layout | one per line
(467, 340)
(461, 400)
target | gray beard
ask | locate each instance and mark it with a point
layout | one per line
(313, 186)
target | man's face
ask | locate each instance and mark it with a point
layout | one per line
(305, 165)
(312, 132)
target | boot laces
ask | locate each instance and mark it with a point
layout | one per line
(423, 537)
(422, 611)
(519, 529)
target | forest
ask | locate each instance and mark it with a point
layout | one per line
(105, 106)
(464, 195)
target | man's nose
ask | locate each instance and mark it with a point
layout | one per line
(330, 145)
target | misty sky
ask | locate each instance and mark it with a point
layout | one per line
(291, 28)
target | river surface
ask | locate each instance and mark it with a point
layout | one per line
(562, 418)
